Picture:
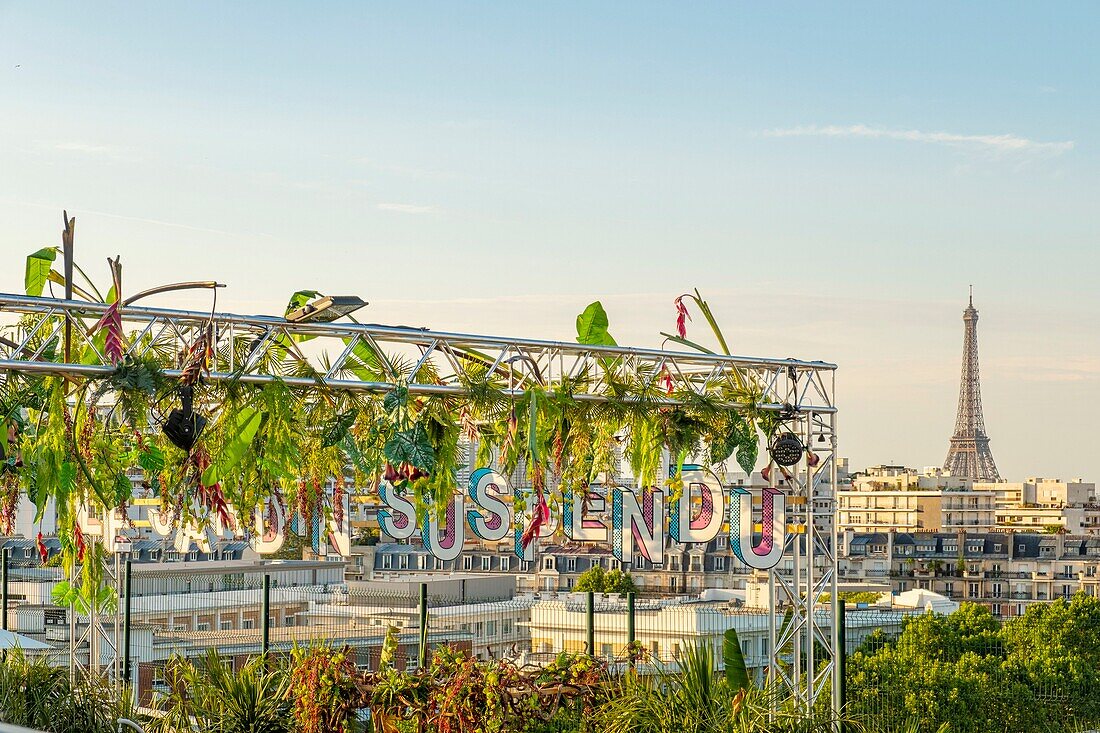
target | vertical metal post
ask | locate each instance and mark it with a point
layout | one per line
(70, 611)
(126, 609)
(799, 610)
(265, 643)
(4, 582)
(772, 627)
(842, 655)
(630, 625)
(837, 609)
(811, 555)
(67, 265)
(590, 621)
(422, 653)
(94, 631)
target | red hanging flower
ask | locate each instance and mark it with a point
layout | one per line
(81, 546)
(115, 343)
(210, 497)
(196, 362)
(666, 380)
(42, 551)
(682, 317)
(540, 517)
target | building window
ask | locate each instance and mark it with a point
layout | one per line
(506, 627)
(203, 626)
(505, 562)
(973, 590)
(486, 563)
(248, 623)
(387, 562)
(467, 562)
(548, 563)
(421, 562)
(720, 564)
(491, 629)
(571, 565)
(226, 625)
(288, 621)
(402, 562)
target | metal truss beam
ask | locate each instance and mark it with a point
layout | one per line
(439, 359)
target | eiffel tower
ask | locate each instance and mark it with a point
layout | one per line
(969, 453)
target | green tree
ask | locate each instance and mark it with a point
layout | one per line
(1035, 672)
(618, 582)
(1054, 648)
(597, 580)
(592, 579)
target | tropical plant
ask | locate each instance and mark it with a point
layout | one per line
(694, 698)
(458, 694)
(324, 690)
(36, 694)
(209, 693)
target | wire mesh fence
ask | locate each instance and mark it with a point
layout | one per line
(898, 663)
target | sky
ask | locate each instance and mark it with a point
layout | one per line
(831, 177)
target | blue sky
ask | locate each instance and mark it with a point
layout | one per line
(831, 177)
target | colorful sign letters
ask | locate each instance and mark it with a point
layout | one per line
(631, 520)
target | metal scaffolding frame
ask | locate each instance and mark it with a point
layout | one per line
(257, 349)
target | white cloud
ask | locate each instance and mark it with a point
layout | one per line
(407, 208)
(997, 144)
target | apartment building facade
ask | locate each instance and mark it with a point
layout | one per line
(1005, 571)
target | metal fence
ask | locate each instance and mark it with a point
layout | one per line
(162, 612)
(178, 610)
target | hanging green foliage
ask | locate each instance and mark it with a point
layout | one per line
(81, 438)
